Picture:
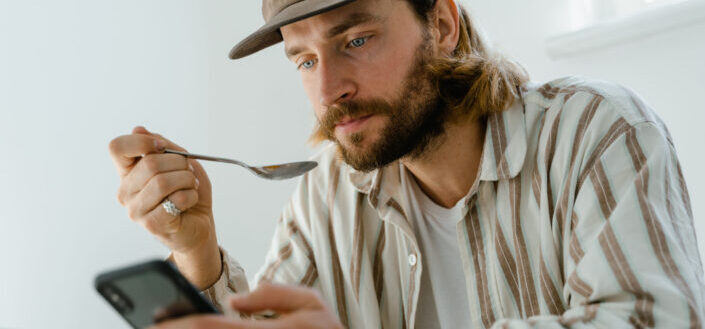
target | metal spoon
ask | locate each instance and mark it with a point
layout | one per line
(277, 172)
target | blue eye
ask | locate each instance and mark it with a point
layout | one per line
(359, 42)
(307, 64)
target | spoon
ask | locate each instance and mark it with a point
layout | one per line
(276, 172)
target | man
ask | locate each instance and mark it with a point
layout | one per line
(454, 193)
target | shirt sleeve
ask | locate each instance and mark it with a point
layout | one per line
(232, 280)
(631, 254)
(290, 259)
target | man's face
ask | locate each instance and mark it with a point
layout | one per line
(363, 68)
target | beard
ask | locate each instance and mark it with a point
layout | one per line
(415, 120)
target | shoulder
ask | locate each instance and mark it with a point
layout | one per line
(581, 118)
(582, 107)
(607, 101)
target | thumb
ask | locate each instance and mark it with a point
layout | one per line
(278, 298)
(140, 130)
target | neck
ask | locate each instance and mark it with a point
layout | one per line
(447, 172)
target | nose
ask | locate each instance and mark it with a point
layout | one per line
(336, 83)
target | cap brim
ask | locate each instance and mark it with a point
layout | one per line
(269, 34)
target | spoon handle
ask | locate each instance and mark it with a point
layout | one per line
(206, 157)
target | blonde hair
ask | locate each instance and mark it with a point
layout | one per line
(475, 81)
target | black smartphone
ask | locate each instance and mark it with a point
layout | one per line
(148, 293)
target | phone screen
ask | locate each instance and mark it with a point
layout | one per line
(149, 296)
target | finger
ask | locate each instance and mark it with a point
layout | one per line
(141, 130)
(184, 199)
(201, 321)
(220, 322)
(159, 222)
(169, 143)
(278, 298)
(303, 320)
(159, 188)
(125, 150)
(149, 166)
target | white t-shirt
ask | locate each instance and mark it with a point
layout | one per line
(443, 301)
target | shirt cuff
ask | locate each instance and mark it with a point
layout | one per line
(232, 280)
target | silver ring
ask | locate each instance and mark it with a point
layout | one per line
(170, 208)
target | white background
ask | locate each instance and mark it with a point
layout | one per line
(76, 73)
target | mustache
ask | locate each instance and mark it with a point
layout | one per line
(352, 109)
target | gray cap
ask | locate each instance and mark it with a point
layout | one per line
(278, 13)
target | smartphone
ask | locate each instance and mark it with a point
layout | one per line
(148, 293)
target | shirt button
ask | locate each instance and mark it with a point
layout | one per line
(412, 259)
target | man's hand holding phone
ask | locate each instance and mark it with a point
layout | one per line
(149, 177)
(297, 307)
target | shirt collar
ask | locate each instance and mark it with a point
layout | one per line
(503, 155)
(504, 150)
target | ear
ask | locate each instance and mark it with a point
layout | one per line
(447, 25)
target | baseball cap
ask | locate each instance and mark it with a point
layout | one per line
(278, 13)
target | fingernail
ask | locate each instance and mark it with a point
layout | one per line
(197, 182)
(190, 167)
(160, 144)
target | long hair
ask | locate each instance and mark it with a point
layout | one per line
(474, 81)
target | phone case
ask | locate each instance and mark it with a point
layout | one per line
(150, 292)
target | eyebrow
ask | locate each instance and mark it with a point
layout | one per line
(351, 21)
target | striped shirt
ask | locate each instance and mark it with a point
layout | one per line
(579, 218)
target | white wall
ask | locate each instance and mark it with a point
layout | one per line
(73, 75)
(76, 73)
